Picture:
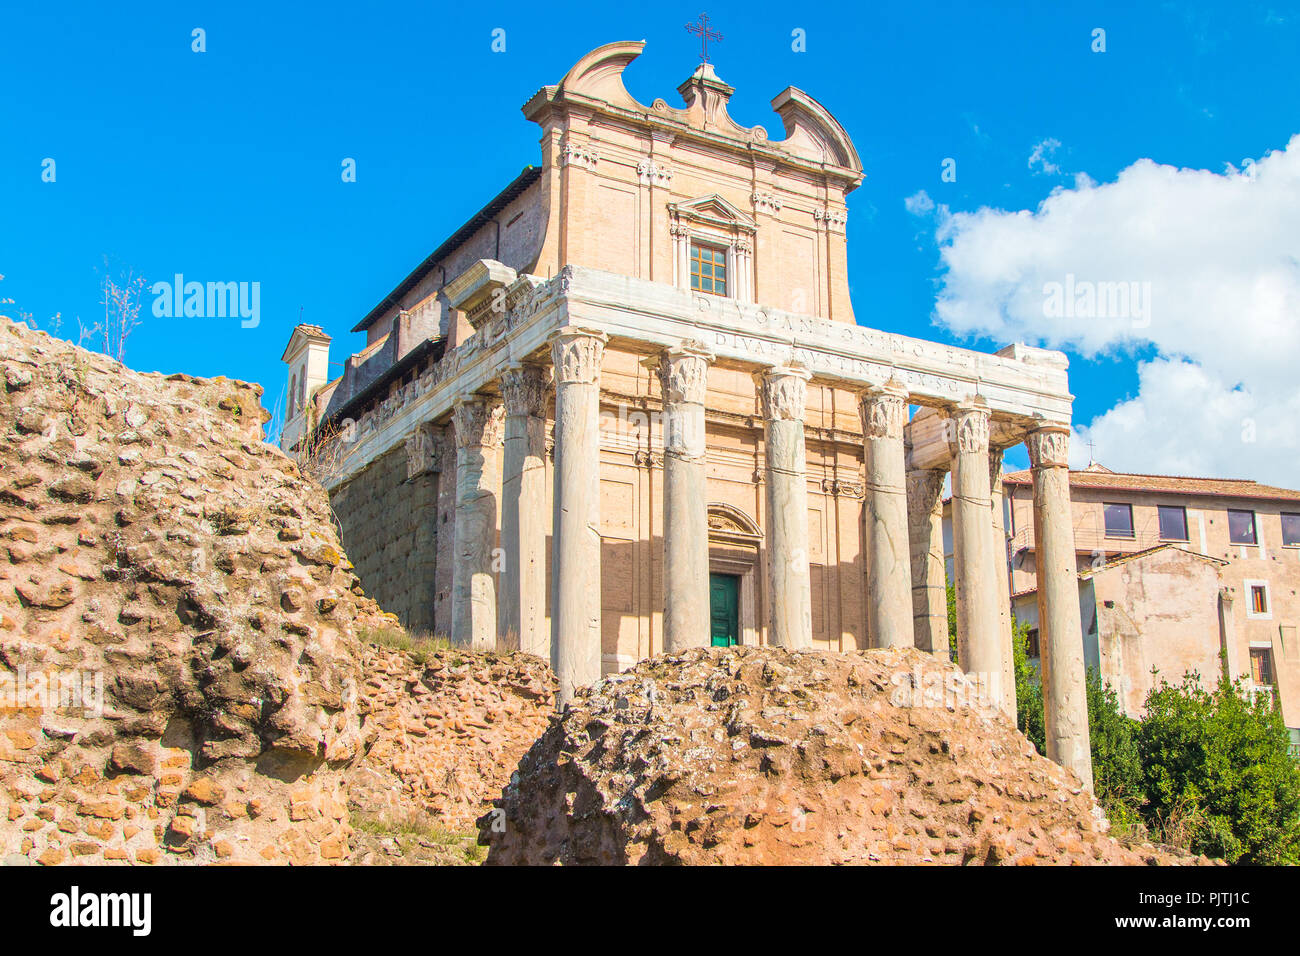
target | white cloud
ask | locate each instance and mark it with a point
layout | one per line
(919, 203)
(1042, 157)
(1219, 257)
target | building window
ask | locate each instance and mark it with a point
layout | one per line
(1290, 531)
(1173, 523)
(1031, 643)
(1119, 521)
(1261, 666)
(708, 268)
(293, 395)
(1258, 599)
(1241, 526)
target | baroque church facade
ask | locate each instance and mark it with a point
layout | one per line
(628, 408)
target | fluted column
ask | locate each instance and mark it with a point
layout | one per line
(575, 530)
(1002, 568)
(789, 595)
(889, 573)
(523, 528)
(978, 633)
(1060, 634)
(478, 424)
(929, 578)
(683, 373)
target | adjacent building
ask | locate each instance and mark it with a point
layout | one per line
(1176, 574)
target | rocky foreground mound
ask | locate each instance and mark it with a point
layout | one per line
(445, 730)
(182, 671)
(760, 755)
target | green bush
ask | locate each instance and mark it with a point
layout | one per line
(1216, 773)
(1029, 689)
(1116, 762)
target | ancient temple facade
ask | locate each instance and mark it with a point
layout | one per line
(628, 409)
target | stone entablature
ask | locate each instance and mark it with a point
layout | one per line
(648, 317)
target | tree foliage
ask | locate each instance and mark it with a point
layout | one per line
(1216, 772)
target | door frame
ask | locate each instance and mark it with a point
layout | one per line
(734, 544)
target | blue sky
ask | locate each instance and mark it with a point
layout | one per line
(225, 165)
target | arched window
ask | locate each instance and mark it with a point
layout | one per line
(293, 394)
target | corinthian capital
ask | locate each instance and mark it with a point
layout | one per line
(970, 428)
(884, 411)
(1049, 446)
(784, 390)
(524, 389)
(683, 373)
(422, 450)
(923, 490)
(576, 354)
(478, 421)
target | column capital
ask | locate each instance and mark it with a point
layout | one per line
(523, 387)
(970, 428)
(1049, 446)
(478, 421)
(423, 450)
(576, 354)
(784, 391)
(883, 409)
(683, 372)
(924, 486)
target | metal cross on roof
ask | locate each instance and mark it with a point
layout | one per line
(701, 29)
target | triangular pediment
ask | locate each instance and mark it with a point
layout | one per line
(713, 209)
(303, 335)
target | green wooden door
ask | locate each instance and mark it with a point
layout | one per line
(724, 609)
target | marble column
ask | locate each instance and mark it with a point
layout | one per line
(1060, 633)
(575, 528)
(1002, 568)
(478, 424)
(978, 627)
(783, 390)
(683, 373)
(523, 526)
(929, 577)
(889, 572)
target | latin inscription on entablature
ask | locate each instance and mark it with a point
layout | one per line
(838, 335)
(838, 365)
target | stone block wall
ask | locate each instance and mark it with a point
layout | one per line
(389, 526)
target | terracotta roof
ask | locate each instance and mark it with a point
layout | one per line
(1134, 556)
(1173, 484)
